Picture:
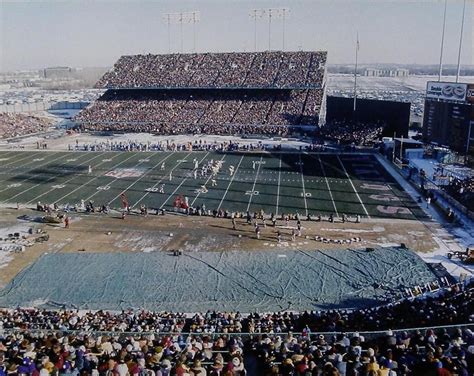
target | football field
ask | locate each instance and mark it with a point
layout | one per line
(279, 183)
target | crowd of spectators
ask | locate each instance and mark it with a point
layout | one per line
(218, 70)
(203, 111)
(41, 342)
(14, 125)
(167, 145)
(349, 132)
(462, 190)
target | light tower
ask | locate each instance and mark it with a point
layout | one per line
(179, 18)
(272, 14)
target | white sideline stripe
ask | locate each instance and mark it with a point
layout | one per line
(207, 181)
(254, 182)
(327, 184)
(179, 186)
(140, 178)
(25, 164)
(91, 180)
(304, 190)
(166, 174)
(68, 180)
(278, 189)
(230, 182)
(115, 179)
(352, 184)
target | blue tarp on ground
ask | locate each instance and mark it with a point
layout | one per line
(198, 281)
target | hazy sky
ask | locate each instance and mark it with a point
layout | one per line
(88, 33)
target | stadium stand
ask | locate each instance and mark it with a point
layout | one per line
(227, 93)
(40, 342)
(462, 190)
(14, 125)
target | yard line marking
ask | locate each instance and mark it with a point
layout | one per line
(207, 181)
(68, 180)
(327, 184)
(31, 177)
(165, 175)
(94, 178)
(140, 178)
(355, 190)
(182, 182)
(302, 181)
(278, 188)
(26, 164)
(22, 159)
(254, 183)
(115, 179)
(230, 182)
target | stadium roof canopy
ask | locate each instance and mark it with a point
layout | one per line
(237, 70)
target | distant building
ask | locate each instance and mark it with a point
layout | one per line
(373, 72)
(57, 72)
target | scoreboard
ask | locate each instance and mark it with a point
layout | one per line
(449, 115)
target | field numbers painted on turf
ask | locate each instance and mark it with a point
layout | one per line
(14, 185)
(103, 188)
(385, 197)
(38, 159)
(252, 193)
(258, 162)
(71, 160)
(58, 186)
(182, 160)
(143, 160)
(393, 210)
(151, 190)
(307, 194)
(4, 159)
(106, 160)
(376, 187)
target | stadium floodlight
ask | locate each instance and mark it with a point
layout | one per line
(272, 13)
(256, 13)
(179, 18)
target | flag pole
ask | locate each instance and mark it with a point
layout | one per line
(460, 42)
(442, 42)
(355, 73)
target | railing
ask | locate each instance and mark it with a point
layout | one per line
(310, 335)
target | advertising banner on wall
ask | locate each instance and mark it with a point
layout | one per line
(450, 91)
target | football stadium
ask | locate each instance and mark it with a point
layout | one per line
(202, 216)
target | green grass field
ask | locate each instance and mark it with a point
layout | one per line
(314, 183)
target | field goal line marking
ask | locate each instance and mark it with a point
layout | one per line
(180, 184)
(165, 175)
(230, 183)
(68, 180)
(353, 187)
(327, 184)
(278, 189)
(254, 182)
(141, 176)
(302, 182)
(207, 181)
